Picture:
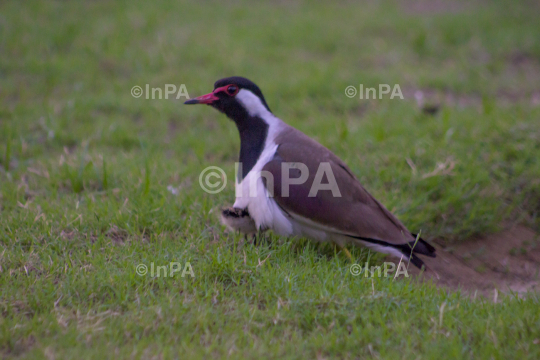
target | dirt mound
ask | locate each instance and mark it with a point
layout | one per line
(506, 262)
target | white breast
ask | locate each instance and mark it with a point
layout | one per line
(252, 194)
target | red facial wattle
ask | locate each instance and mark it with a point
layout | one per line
(209, 99)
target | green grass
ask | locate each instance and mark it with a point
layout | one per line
(85, 169)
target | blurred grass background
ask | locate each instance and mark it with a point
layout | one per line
(85, 166)
(68, 86)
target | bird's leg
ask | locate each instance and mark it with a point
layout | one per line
(268, 242)
(344, 250)
(259, 236)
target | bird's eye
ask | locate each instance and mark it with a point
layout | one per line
(232, 90)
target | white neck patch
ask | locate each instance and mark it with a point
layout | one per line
(252, 103)
(254, 106)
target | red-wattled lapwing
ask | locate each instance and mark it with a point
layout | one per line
(295, 201)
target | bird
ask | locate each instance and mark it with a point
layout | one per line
(280, 183)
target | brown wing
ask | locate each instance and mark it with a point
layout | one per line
(355, 213)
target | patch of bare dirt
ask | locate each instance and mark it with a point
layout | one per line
(506, 262)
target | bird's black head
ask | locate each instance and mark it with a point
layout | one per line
(235, 96)
(243, 102)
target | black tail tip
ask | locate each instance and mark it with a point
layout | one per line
(416, 261)
(422, 247)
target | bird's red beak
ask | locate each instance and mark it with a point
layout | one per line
(204, 99)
